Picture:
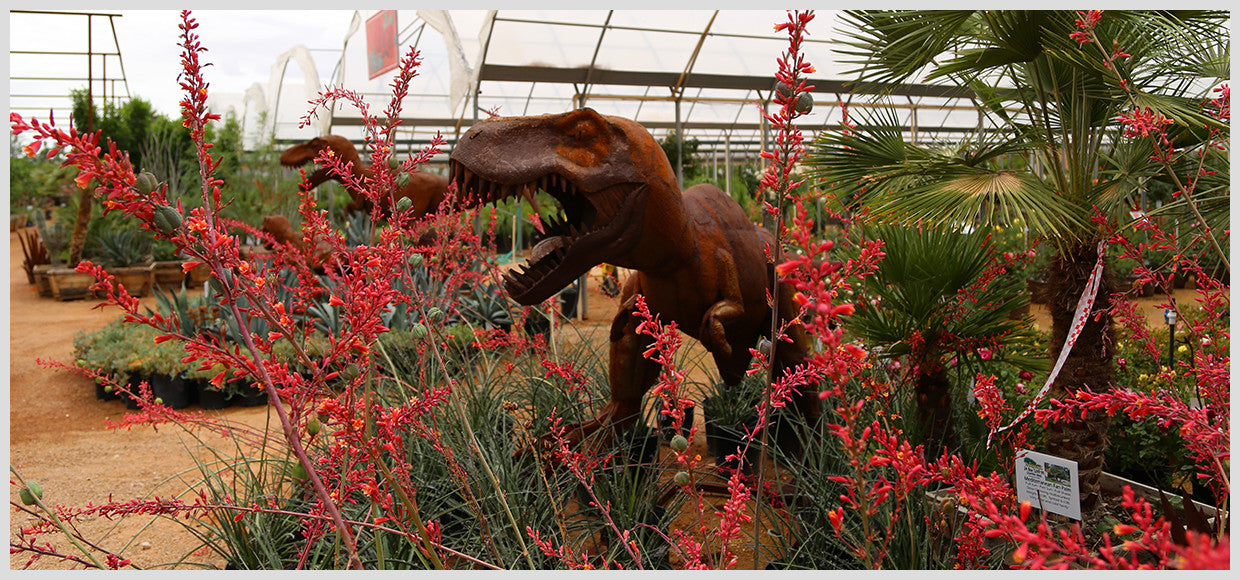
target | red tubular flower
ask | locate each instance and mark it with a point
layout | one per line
(836, 516)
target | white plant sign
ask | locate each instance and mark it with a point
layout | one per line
(1049, 483)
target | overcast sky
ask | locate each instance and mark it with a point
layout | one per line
(242, 45)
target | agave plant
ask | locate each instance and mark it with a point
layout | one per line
(928, 306)
(487, 305)
(122, 248)
(1058, 102)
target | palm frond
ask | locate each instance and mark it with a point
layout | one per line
(919, 284)
(893, 46)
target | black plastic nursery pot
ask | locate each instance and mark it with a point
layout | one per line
(248, 396)
(173, 391)
(668, 430)
(211, 398)
(728, 439)
(785, 432)
(568, 304)
(723, 440)
(131, 400)
(103, 394)
(642, 451)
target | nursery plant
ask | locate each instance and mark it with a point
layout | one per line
(1063, 89)
(939, 294)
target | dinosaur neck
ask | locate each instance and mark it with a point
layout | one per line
(347, 155)
(668, 240)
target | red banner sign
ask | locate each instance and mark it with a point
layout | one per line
(381, 54)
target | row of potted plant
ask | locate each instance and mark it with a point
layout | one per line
(131, 255)
(129, 354)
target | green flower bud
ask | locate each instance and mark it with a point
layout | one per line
(218, 285)
(679, 443)
(146, 182)
(107, 389)
(313, 426)
(393, 163)
(681, 478)
(401, 181)
(434, 314)
(804, 104)
(31, 492)
(350, 372)
(415, 261)
(159, 400)
(404, 203)
(167, 218)
(418, 331)
(298, 471)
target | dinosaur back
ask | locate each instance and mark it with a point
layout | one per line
(721, 223)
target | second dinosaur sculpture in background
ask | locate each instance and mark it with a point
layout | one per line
(425, 190)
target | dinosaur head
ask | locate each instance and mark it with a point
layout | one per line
(599, 169)
(304, 153)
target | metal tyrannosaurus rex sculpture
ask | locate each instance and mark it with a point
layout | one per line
(699, 261)
(425, 190)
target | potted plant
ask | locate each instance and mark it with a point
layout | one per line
(132, 362)
(166, 374)
(126, 254)
(166, 268)
(98, 350)
(730, 413)
(486, 305)
(34, 253)
(199, 274)
(244, 394)
(209, 396)
(633, 503)
(54, 279)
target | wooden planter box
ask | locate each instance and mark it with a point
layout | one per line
(1114, 484)
(69, 284)
(168, 274)
(41, 280)
(135, 279)
(199, 275)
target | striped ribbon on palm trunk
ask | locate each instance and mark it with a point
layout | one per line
(1083, 308)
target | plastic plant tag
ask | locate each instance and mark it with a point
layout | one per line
(1049, 483)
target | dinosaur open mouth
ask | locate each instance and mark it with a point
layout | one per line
(571, 242)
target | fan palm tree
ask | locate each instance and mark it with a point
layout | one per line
(930, 304)
(1055, 102)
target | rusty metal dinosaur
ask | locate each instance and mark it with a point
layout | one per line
(698, 260)
(425, 190)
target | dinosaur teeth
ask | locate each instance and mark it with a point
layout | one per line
(547, 246)
(513, 282)
(466, 177)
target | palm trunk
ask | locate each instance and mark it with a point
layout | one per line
(85, 206)
(1083, 440)
(933, 391)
